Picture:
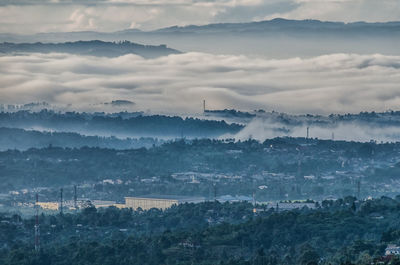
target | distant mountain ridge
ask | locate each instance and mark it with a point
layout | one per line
(279, 24)
(277, 38)
(93, 47)
(275, 23)
(284, 24)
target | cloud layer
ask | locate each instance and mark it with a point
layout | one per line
(112, 15)
(260, 129)
(343, 10)
(337, 83)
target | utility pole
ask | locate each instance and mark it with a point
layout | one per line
(61, 201)
(204, 106)
(308, 132)
(75, 199)
(215, 191)
(37, 229)
(254, 203)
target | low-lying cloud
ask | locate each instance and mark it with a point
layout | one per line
(337, 83)
(261, 129)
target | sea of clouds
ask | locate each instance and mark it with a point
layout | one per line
(336, 83)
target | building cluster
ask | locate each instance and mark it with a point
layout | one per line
(135, 203)
(36, 106)
(197, 177)
(160, 202)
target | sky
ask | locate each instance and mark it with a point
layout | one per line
(113, 15)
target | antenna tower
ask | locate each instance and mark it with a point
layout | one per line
(75, 198)
(37, 229)
(215, 191)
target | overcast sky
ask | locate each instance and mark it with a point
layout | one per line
(31, 16)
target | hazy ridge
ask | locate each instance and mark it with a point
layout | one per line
(93, 48)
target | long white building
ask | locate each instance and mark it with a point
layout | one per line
(159, 202)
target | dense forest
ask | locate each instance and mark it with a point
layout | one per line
(291, 168)
(20, 139)
(93, 48)
(118, 125)
(344, 231)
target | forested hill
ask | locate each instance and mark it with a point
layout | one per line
(101, 124)
(93, 48)
(13, 138)
(345, 231)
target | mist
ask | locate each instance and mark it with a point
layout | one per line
(262, 129)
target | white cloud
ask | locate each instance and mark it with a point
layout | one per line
(262, 129)
(178, 83)
(343, 10)
(112, 15)
(64, 18)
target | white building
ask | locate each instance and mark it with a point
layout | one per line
(159, 202)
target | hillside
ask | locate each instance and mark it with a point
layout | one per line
(12, 138)
(106, 125)
(93, 48)
(345, 232)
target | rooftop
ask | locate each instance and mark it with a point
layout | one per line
(180, 199)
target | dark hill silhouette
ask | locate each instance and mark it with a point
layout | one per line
(94, 48)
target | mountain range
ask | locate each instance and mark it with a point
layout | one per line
(285, 25)
(277, 38)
